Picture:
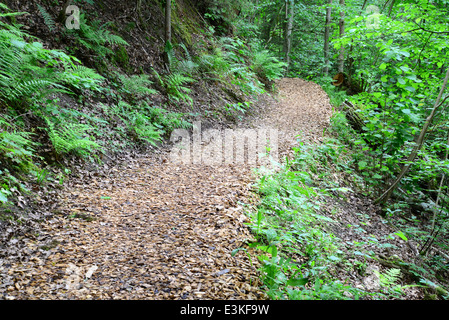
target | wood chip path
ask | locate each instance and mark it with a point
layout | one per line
(157, 230)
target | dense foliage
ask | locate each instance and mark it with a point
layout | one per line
(392, 59)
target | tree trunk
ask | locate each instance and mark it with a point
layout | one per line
(341, 56)
(168, 22)
(62, 13)
(289, 13)
(168, 44)
(419, 143)
(391, 7)
(326, 38)
(364, 4)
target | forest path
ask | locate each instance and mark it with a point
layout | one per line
(159, 230)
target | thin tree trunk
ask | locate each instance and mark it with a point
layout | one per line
(326, 38)
(168, 22)
(391, 7)
(364, 4)
(62, 13)
(289, 14)
(440, 190)
(167, 33)
(419, 143)
(341, 56)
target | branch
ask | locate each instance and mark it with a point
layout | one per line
(419, 143)
(431, 31)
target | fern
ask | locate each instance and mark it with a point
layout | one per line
(81, 77)
(183, 66)
(181, 75)
(84, 72)
(168, 120)
(215, 63)
(265, 65)
(96, 37)
(390, 277)
(11, 28)
(176, 89)
(16, 148)
(49, 21)
(139, 126)
(143, 129)
(71, 138)
(28, 71)
(136, 86)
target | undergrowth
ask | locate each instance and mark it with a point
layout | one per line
(299, 253)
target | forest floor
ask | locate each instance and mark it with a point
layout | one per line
(153, 229)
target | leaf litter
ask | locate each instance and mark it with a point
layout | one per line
(152, 229)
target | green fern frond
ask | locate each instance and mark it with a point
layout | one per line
(85, 72)
(136, 86)
(176, 89)
(267, 66)
(81, 77)
(71, 138)
(16, 148)
(49, 21)
(390, 277)
(96, 37)
(142, 128)
(184, 66)
(108, 37)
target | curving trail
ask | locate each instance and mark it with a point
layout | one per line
(159, 230)
(301, 114)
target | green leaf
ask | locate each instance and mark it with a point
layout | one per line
(270, 249)
(383, 66)
(3, 196)
(401, 235)
(234, 252)
(37, 45)
(295, 282)
(406, 111)
(362, 164)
